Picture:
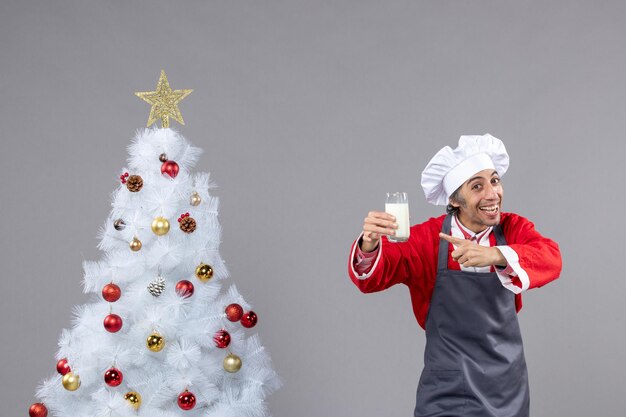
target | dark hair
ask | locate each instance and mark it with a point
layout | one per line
(455, 196)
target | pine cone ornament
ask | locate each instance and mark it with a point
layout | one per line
(134, 183)
(157, 286)
(187, 224)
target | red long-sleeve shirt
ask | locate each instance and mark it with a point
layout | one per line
(534, 260)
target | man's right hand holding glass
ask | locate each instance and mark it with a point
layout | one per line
(375, 225)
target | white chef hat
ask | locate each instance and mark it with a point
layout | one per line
(450, 168)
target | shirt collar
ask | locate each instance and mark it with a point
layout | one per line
(470, 235)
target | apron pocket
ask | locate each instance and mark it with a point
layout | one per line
(440, 393)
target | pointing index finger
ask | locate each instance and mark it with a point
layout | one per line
(451, 239)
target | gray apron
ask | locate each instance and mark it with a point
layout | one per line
(474, 362)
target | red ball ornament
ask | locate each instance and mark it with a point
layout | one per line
(111, 293)
(184, 288)
(112, 323)
(222, 339)
(113, 377)
(234, 312)
(38, 410)
(186, 400)
(249, 319)
(63, 367)
(170, 168)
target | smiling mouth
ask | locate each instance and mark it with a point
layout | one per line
(489, 209)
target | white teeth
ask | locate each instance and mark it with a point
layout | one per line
(490, 209)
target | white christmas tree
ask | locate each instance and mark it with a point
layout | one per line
(160, 338)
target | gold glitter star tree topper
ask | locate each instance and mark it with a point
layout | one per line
(164, 102)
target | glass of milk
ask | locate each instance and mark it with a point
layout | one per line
(397, 204)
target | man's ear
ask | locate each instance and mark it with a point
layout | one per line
(453, 203)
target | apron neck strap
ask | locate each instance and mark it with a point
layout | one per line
(442, 262)
(500, 240)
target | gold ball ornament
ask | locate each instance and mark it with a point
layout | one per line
(195, 199)
(134, 399)
(160, 226)
(232, 363)
(204, 272)
(155, 342)
(71, 381)
(135, 245)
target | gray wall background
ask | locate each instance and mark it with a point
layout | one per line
(308, 112)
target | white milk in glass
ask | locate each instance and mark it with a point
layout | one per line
(401, 211)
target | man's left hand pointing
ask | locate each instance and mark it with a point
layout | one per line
(468, 253)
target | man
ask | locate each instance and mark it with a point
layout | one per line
(465, 271)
